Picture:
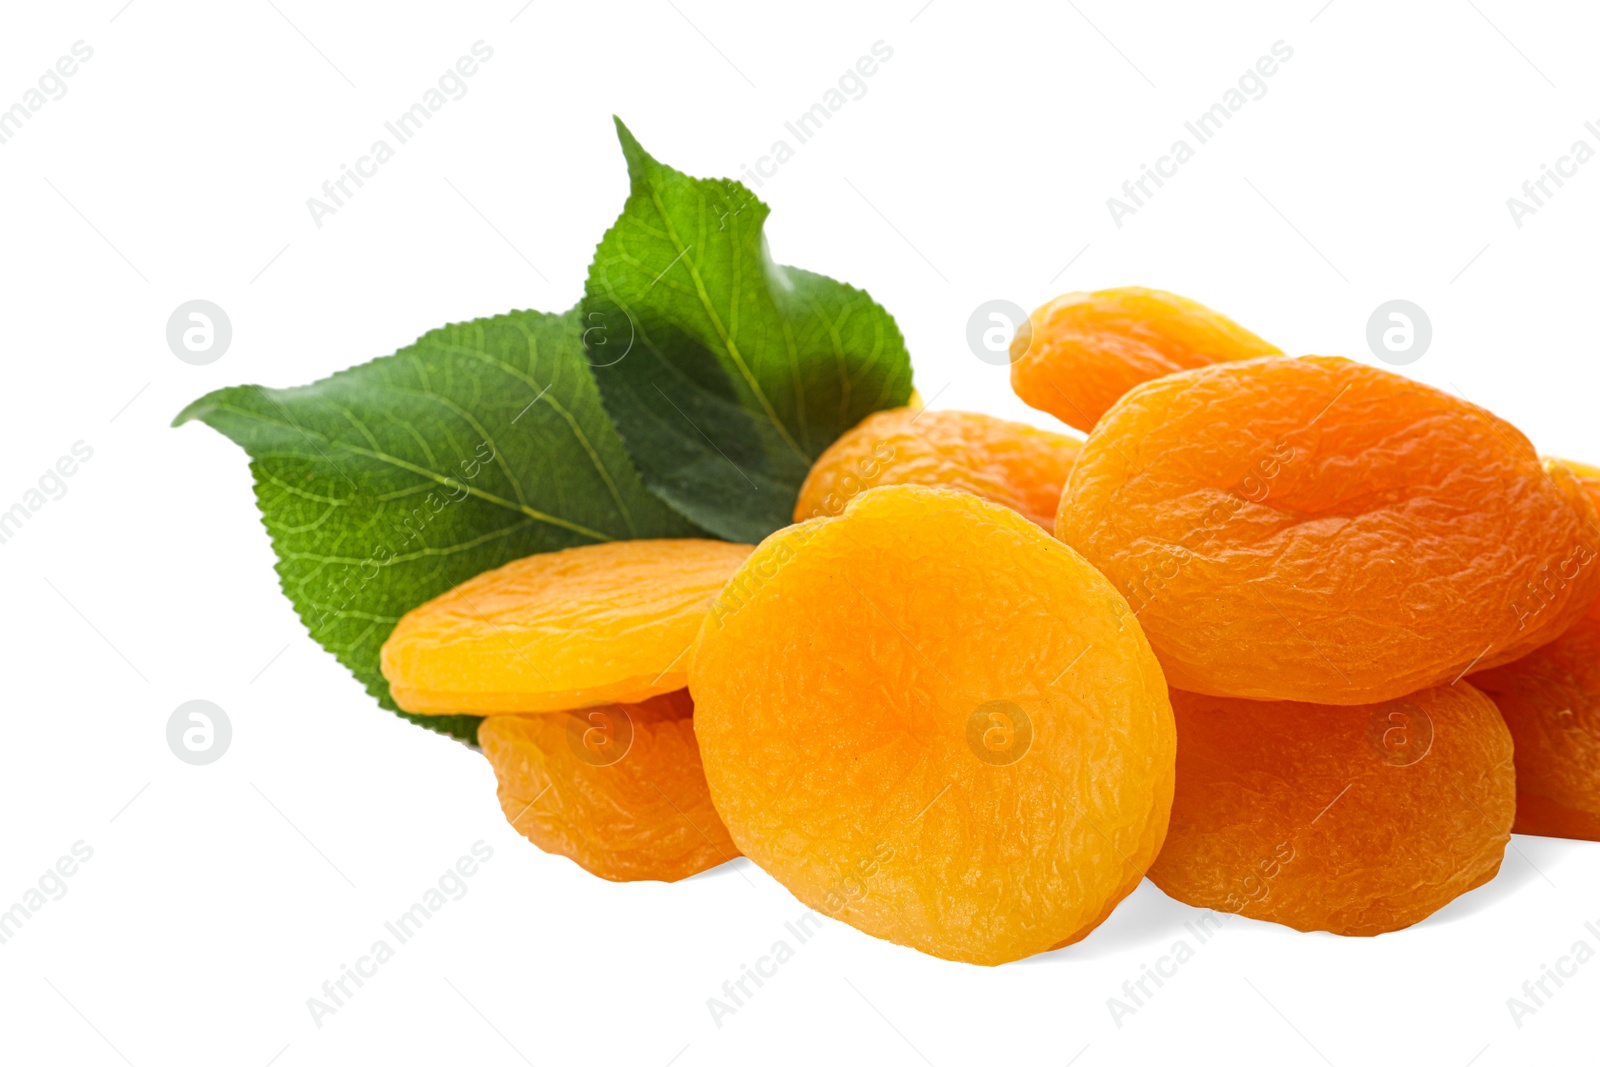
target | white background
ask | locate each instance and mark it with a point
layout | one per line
(977, 166)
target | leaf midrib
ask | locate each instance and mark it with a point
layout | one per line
(396, 461)
(730, 347)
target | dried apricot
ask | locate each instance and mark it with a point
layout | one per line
(1082, 351)
(617, 788)
(1009, 463)
(1356, 820)
(933, 721)
(1315, 529)
(589, 625)
(1550, 699)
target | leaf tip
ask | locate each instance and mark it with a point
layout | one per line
(197, 409)
(632, 150)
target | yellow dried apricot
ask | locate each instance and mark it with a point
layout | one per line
(1082, 351)
(1356, 820)
(1550, 699)
(1315, 529)
(617, 788)
(933, 721)
(590, 625)
(1009, 463)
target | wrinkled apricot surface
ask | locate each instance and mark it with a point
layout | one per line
(1550, 699)
(1315, 529)
(1009, 463)
(1356, 820)
(933, 721)
(617, 788)
(590, 625)
(1082, 351)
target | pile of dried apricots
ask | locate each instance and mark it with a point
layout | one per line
(1296, 638)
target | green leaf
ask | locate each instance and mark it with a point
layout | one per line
(389, 483)
(726, 373)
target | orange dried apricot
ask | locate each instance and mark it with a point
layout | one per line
(589, 625)
(1588, 476)
(1315, 529)
(1550, 699)
(1082, 351)
(930, 719)
(1009, 463)
(1355, 820)
(617, 788)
